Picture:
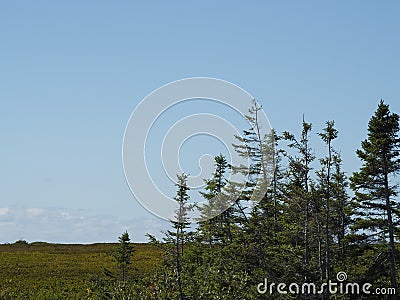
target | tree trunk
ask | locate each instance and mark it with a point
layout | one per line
(393, 280)
(178, 264)
(327, 246)
(307, 216)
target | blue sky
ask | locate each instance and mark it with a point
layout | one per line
(72, 72)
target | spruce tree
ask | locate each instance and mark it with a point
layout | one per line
(297, 193)
(341, 209)
(328, 135)
(257, 145)
(175, 239)
(123, 253)
(377, 211)
(216, 213)
(258, 206)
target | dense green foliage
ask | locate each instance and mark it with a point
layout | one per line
(307, 227)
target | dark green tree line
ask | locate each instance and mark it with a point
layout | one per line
(305, 228)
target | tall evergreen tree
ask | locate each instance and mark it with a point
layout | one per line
(298, 188)
(258, 147)
(377, 211)
(261, 193)
(328, 135)
(217, 226)
(179, 236)
(341, 209)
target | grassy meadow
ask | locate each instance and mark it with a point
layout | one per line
(61, 271)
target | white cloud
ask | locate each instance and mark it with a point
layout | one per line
(34, 212)
(66, 215)
(66, 226)
(3, 211)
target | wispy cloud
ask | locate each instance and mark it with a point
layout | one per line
(34, 212)
(3, 211)
(65, 226)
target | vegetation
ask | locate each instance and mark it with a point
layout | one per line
(57, 271)
(308, 227)
(123, 253)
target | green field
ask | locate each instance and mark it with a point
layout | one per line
(54, 271)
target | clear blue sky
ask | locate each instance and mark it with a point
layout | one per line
(71, 73)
